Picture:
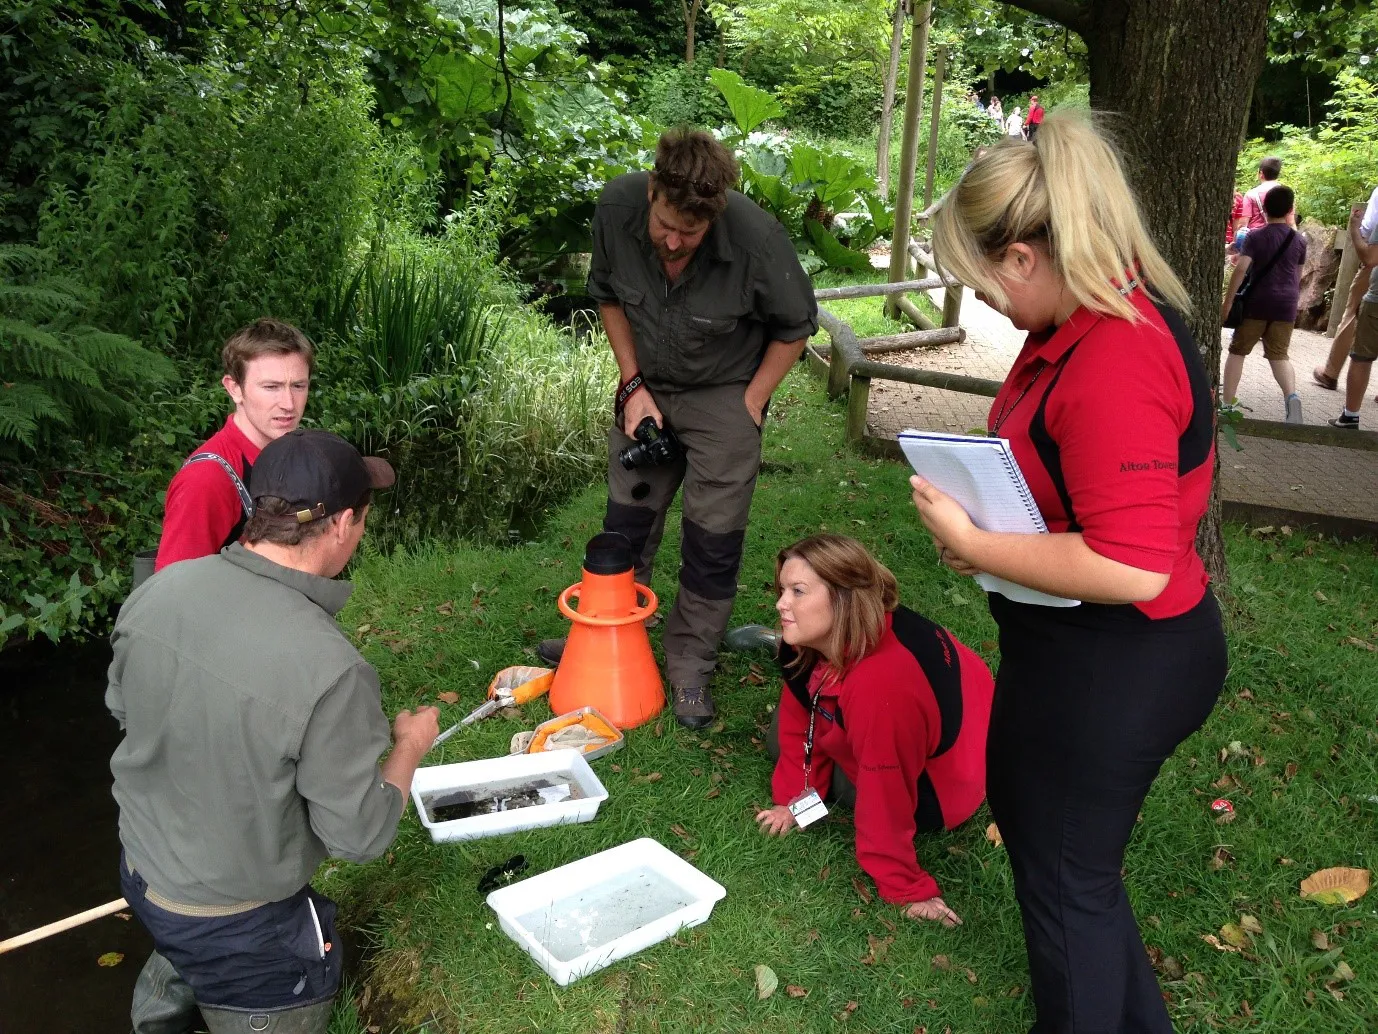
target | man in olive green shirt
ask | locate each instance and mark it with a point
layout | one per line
(706, 308)
(253, 733)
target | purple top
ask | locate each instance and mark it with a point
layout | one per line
(1274, 297)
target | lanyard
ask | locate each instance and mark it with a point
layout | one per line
(813, 717)
(1008, 408)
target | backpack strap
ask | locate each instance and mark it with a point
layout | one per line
(245, 500)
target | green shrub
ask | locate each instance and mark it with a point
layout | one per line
(675, 94)
(842, 97)
(235, 199)
(1331, 167)
(56, 370)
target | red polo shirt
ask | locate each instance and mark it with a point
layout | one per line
(1113, 425)
(202, 512)
(907, 724)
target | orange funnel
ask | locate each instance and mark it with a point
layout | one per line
(607, 661)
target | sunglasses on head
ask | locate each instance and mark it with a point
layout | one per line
(678, 182)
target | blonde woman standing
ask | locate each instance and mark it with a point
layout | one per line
(1109, 411)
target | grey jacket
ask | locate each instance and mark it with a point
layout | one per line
(253, 730)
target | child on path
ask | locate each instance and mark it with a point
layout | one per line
(1276, 252)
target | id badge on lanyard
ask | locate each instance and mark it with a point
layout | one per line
(808, 807)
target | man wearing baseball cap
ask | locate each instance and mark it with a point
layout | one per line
(253, 737)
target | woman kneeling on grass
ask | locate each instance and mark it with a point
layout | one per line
(1108, 410)
(880, 706)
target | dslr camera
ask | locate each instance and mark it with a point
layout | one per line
(655, 446)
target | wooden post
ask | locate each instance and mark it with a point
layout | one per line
(952, 306)
(1344, 280)
(858, 399)
(935, 109)
(909, 149)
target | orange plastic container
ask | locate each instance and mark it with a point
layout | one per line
(607, 661)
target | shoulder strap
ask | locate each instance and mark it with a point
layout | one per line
(245, 500)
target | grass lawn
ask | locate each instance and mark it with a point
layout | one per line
(1292, 744)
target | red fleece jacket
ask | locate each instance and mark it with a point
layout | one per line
(891, 724)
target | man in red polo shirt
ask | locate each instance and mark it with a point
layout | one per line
(267, 375)
(1035, 117)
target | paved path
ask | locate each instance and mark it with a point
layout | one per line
(1265, 476)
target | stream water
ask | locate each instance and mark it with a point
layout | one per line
(61, 846)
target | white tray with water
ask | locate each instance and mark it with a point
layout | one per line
(493, 796)
(586, 915)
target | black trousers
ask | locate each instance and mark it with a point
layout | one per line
(1089, 702)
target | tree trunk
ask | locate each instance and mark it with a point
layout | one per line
(1178, 76)
(691, 17)
(887, 103)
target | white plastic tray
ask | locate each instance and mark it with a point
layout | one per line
(581, 917)
(568, 765)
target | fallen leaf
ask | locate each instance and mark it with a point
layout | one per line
(971, 976)
(1234, 935)
(993, 835)
(823, 873)
(1342, 971)
(1226, 817)
(862, 891)
(1322, 597)
(1319, 940)
(766, 982)
(363, 628)
(795, 991)
(1335, 886)
(715, 792)
(1171, 969)
(942, 963)
(1221, 858)
(1361, 643)
(448, 698)
(1250, 925)
(876, 947)
(651, 777)
(659, 730)
(1289, 771)
(679, 831)
(811, 936)
(1215, 943)
(123, 915)
(847, 1010)
(110, 958)
(448, 607)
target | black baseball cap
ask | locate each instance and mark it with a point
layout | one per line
(317, 472)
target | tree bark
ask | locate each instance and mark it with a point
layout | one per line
(887, 103)
(691, 17)
(1178, 76)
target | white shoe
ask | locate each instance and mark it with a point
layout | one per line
(1293, 404)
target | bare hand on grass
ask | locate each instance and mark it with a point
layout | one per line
(934, 910)
(776, 821)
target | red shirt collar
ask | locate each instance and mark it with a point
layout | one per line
(1052, 344)
(249, 449)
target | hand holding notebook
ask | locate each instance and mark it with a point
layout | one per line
(983, 476)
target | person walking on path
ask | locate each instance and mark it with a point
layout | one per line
(1014, 125)
(997, 112)
(1328, 374)
(1366, 328)
(1269, 169)
(706, 308)
(1108, 410)
(1035, 118)
(1276, 253)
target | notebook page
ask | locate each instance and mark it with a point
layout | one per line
(983, 475)
(976, 472)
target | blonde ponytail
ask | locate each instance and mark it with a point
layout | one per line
(1068, 190)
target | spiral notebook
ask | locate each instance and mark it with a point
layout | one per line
(982, 474)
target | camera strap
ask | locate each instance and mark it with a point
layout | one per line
(626, 390)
